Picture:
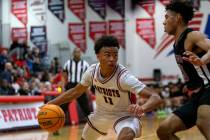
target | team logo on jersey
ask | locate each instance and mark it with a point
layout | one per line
(107, 91)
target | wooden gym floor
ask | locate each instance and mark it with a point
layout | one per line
(74, 133)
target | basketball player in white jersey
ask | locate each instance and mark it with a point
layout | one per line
(114, 85)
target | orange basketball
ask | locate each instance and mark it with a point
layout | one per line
(51, 117)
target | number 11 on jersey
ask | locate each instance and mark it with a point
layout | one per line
(108, 100)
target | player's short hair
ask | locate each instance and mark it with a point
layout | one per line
(106, 41)
(184, 8)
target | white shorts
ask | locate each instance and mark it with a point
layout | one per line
(99, 125)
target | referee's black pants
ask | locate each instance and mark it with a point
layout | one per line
(82, 101)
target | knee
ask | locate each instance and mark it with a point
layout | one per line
(199, 123)
(202, 123)
(126, 134)
(163, 130)
(204, 126)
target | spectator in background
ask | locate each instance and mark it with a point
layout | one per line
(165, 94)
(24, 89)
(3, 59)
(55, 66)
(7, 73)
(13, 50)
(45, 76)
(29, 59)
(34, 87)
(14, 45)
(18, 50)
(36, 60)
(24, 50)
(45, 62)
(15, 84)
(6, 88)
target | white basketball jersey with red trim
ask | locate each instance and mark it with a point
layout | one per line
(113, 94)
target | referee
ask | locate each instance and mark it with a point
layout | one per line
(72, 74)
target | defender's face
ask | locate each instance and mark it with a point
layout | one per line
(170, 22)
(108, 57)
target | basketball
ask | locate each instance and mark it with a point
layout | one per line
(51, 117)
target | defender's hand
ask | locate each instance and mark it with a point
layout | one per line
(192, 58)
(136, 110)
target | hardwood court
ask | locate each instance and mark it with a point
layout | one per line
(150, 125)
(74, 133)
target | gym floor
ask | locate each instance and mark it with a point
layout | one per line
(150, 125)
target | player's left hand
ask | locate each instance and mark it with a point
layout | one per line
(136, 110)
(192, 58)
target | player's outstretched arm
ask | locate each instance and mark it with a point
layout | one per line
(69, 95)
(152, 103)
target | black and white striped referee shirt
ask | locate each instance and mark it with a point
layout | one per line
(75, 70)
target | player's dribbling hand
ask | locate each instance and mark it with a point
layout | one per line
(136, 110)
(43, 105)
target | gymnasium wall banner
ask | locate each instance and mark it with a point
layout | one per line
(196, 21)
(97, 29)
(19, 34)
(164, 2)
(77, 34)
(19, 115)
(38, 37)
(78, 8)
(57, 8)
(149, 6)
(145, 28)
(118, 6)
(117, 28)
(38, 9)
(99, 6)
(19, 9)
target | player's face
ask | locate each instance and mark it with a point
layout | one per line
(170, 22)
(108, 57)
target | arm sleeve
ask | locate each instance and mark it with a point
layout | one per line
(129, 82)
